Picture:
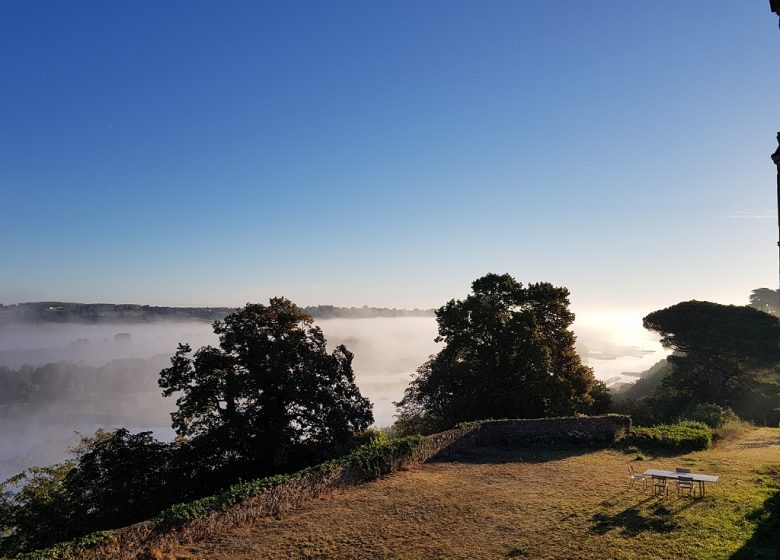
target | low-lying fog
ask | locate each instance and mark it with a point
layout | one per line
(38, 344)
(116, 366)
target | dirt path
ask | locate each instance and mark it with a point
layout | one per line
(565, 503)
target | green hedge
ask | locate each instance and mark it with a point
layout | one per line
(373, 461)
(682, 437)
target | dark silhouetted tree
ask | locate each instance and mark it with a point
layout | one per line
(723, 354)
(116, 479)
(120, 478)
(509, 353)
(270, 397)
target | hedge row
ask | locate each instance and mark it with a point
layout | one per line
(682, 437)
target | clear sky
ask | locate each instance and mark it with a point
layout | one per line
(387, 153)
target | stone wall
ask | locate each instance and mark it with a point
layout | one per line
(572, 429)
(443, 443)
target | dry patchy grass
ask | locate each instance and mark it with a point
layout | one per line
(529, 503)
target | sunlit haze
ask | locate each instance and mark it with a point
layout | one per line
(387, 351)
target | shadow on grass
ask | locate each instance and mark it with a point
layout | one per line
(765, 542)
(542, 453)
(637, 519)
(652, 454)
(489, 455)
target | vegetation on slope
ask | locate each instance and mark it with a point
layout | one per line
(723, 356)
(379, 457)
(269, 400)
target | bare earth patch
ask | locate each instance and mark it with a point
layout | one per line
(567, 502)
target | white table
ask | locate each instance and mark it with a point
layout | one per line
(700, 478)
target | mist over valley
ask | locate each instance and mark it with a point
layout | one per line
(62, 380)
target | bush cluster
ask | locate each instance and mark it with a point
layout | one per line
(384, 457)
(679, 438)
(711, 414)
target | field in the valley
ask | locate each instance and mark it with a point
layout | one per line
(533, 503)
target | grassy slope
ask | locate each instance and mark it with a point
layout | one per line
(532, 503)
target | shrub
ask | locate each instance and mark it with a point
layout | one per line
(731, 430)
(693, 424)
(384, 457)
(682, 437)
(711, 414)
(370, 436)
(411, 423)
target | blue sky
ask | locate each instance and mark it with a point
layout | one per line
(387, 153)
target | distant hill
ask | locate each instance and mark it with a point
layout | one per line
(67, 312)
(365, 312)
(647, 383)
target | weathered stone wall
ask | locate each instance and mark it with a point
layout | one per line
(450, 441)
(572, 429)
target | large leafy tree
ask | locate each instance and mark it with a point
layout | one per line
(269, 395)
(723, 354)
(508, 353)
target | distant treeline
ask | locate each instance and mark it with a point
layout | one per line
(365, 312)
(120, 386)
(64, 312)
